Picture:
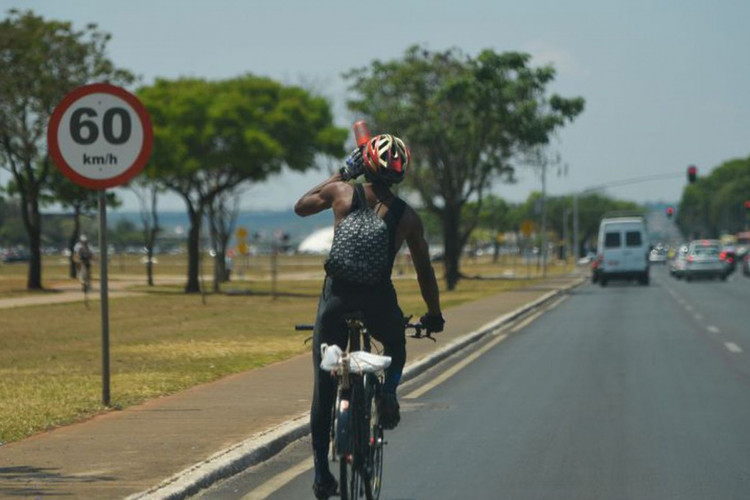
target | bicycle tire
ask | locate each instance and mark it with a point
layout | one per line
(375, 440)
(354, 474)
(346, 446)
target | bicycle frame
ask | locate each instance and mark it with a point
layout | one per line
(356, 437)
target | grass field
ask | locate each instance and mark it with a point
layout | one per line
(164, 341)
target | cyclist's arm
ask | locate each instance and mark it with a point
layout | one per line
(420, 256)
(325, 195)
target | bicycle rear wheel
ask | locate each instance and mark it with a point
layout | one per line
(375, 441)
(355, 466)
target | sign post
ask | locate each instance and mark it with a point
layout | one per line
(100, 136)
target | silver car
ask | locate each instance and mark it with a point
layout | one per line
(703, 260)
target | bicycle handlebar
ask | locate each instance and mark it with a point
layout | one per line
(417, 327)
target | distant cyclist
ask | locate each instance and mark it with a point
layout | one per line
(82, 255)
(371, 224)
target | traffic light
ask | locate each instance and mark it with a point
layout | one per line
(692, 172)
(670, 212)
(747, 205)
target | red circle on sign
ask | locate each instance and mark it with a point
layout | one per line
(54, 124)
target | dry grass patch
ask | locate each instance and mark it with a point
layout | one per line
(162, 342)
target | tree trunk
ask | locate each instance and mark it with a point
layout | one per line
(150, 265)
(219, 270)
(193, 246)
(33, 223)
(452, 244)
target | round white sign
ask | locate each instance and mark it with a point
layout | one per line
(100, 136)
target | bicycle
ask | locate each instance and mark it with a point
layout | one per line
(356, 435)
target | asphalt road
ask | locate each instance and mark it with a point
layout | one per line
(624, 392)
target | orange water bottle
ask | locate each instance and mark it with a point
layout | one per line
(361, 133)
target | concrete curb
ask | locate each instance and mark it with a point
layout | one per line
(265, 445)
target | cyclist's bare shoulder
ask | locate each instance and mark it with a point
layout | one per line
(410, 225)
(331, 193)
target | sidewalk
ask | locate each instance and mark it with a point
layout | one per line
(169, 447)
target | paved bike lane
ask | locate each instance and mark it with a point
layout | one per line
(172, 446)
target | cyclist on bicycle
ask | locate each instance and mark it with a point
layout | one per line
(383, 161)
(82, 254)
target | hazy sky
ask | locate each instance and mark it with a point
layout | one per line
(665, 81)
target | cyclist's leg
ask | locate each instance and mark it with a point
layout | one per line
(385, 322)
(329, 329)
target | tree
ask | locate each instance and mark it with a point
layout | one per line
(42, 61)
(222, 219)
(714, 204)
(495, 215)
(147, 191)
(464, 119)
(211, 136)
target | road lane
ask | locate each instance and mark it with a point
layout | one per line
(618, 393)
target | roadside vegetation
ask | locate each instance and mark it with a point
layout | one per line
(165, 341)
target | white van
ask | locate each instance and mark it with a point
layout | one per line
(622, 249)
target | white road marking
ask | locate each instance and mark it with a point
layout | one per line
(733, 347)
(455, 368)
(698, 316)
(688, 308)
(472, 357)
(275, 483)
(713, 329)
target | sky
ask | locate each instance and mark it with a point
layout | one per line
(665, 81)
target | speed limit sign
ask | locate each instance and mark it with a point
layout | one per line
(100, 136)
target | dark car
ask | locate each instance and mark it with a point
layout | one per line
(746, 264)
(728, 256)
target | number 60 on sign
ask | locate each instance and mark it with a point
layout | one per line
(100, 136)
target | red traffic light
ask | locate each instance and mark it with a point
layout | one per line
(747, 204)
(670, 211)
(692, 172)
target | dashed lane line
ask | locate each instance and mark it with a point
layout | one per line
(732, 347)
(473, 356)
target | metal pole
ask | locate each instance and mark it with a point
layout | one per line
(544, 219)
(576, 246)
(274, 268)
(103, 293)
(565, 240)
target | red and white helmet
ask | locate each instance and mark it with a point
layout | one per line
(386, 158)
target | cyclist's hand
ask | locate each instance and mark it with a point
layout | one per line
(432, 323)
(354, 167)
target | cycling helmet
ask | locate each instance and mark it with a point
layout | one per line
(386, 159)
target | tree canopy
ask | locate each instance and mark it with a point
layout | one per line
(715, 203)
(465, 119)
(42, 61)
(211, 136)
